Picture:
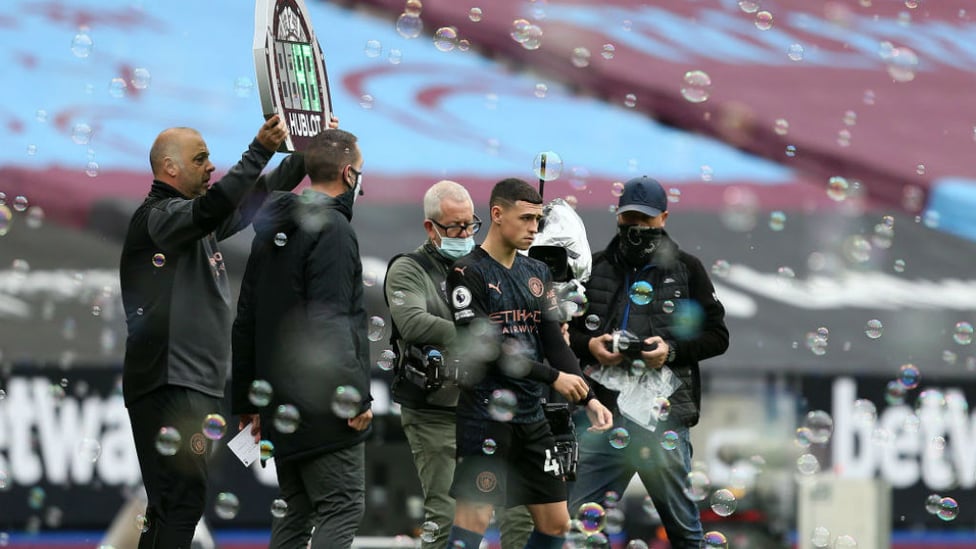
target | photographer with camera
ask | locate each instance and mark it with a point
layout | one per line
(425, 381)
(653, 315)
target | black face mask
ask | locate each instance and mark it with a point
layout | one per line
(638, 243)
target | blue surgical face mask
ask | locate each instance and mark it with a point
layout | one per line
(455, 248)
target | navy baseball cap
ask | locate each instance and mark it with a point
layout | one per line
(645, 195)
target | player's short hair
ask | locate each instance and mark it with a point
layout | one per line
(328, 153)
(509, 191)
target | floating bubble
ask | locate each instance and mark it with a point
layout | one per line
(158, 260)
(91, 168)
(790, 151)
(260, 392)
(266, 449)
(807, 464)
(894, 392)
(547, 165)
(795, 52)
(865, 412)
(581, 57)
(386, 360)
(674, 195)
(168, 441)
(802, 437)
(227, 505)
(81, 45)
(89, 449)
(619, 438)
(909, 376)
(777, 221)
(373, 48)
(963, 333)
(286, 418)
(413, 7)
(641, 292)
(140, 78)
(723, 502)
(518, 32)
(214, 426)
(279, 508)
(669, 440)
(31, 149)
(850, 118)
(370, 278)
(932, 503)
(781, 126)
(243, 86)
(280, 239)
(661, 408)
(81, 133)
(409, 26)
(820, 537)
(749, 6)
(901, 62)
(845, 542)
(608, 51)
(533, 37)
(667, 307)
(502, 405)
(475, 14)
(429, 531)
(592, 517)
(873, 329)
(721, 268)
(856, 249)
(948, 509)
(346, 402)
(697, 485)
(142, 523)
(764, 20)
(377, 328)
(445, 38)
(715, 539)
(489, 446)
(36, 497)
(837, 188)
(592, 323)
(117, 87)
(820, 425)
(696, 87)
(541, 90)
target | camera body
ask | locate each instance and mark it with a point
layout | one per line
(429, 369)
(628, 344)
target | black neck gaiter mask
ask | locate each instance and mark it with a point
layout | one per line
(638, 243)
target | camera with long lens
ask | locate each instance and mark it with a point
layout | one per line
(628, 344)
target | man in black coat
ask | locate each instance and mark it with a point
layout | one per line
(644, 284)
(301, 329)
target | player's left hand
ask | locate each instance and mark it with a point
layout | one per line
(361, 422)
(333, 122)
(601, 418)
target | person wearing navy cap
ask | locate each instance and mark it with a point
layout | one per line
(658, 316)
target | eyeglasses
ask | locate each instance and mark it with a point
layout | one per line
(455, 231)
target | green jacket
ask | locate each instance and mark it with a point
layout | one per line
(419, 309)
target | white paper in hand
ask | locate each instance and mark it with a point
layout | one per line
(244, 447)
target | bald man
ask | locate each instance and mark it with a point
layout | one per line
(178, 309)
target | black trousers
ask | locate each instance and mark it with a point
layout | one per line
(176, 484)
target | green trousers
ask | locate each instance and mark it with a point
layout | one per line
(432, 440)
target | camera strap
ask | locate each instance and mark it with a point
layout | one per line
(395, 338)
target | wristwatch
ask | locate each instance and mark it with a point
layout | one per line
(672, 352)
